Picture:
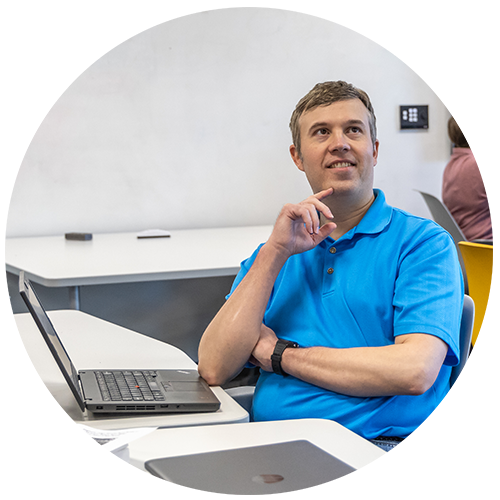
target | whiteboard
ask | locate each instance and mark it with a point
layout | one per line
(185, 126)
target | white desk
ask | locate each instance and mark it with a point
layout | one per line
(93, 343)
(54, 261)
(161, 303)
(368, 459)
(326, 434)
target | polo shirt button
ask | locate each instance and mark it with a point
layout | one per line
(330, 270)
(333, 250)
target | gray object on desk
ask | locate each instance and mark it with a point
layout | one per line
(179, 391)
(256, 470)
(78, 236)
(442, 216)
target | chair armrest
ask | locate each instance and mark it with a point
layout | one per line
(243, 395)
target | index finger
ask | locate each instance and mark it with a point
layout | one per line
(323, 194)
(323, 208)
(319, 205)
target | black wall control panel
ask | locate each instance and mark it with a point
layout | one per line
(413, 116)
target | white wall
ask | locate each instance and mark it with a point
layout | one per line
(186, 125)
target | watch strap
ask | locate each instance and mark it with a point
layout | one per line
(277, 354)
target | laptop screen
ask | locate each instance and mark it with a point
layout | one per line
(49, 334)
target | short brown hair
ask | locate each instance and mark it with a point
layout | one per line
(324, 94)
(456, 135)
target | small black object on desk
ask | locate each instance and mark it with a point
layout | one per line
(78, 236)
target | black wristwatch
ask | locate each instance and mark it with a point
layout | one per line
(281, 345)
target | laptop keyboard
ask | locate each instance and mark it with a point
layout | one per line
(129, 386)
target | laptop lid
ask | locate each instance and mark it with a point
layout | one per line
(256, 470)
(51, 338)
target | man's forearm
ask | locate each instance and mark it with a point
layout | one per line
(408, 367)
(230, 338)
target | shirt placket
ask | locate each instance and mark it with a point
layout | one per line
(329, 278)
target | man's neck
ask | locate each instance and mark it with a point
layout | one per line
(347, 212)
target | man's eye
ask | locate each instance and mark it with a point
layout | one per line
(322, 131)
(354, 130)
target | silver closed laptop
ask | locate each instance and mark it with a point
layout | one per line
(256, 470)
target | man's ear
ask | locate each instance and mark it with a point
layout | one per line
(375, 152)
(297, 159)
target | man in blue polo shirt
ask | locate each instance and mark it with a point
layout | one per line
(352, 307)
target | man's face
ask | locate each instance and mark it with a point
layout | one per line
(337, 149)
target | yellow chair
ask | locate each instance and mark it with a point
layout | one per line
(478, 260)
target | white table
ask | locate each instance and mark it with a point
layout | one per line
(326, 434)
(53, 261)
(368, 459)
(95, 344)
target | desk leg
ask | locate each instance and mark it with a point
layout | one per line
(74, 297)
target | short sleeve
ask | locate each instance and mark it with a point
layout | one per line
(244, 268)
(429, 293)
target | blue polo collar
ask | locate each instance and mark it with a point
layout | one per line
(378, 216)
(376, 219)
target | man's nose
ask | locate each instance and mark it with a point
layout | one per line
(338, 142)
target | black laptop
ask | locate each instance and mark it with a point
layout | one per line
(122, 391)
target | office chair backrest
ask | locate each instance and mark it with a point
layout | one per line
(443, 217)
(478, 260)
(466, 326)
